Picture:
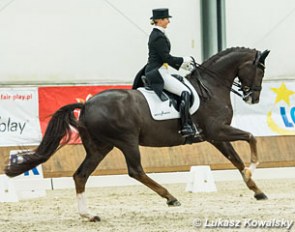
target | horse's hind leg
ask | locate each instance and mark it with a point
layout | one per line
(135, 170)
(94, 155)
(228, 151)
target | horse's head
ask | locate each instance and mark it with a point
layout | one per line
(250, 74)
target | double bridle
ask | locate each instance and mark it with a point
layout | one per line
(247, 90)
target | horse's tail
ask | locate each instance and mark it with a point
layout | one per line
(57, 134)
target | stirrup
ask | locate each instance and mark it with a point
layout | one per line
(198, 131)
(187, 131)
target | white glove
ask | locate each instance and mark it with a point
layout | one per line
(188, 63)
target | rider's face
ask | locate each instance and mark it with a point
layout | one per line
(163, 22)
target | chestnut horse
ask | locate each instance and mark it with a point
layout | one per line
(121, 118)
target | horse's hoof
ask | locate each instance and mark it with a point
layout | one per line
(173, 203)
(260, 196)
(94, 219)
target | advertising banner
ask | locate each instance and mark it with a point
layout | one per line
(19, 121)
(273, 115)
(52, 98)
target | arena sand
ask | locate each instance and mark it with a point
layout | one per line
(136, 208)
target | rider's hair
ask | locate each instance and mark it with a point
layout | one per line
(154, 22)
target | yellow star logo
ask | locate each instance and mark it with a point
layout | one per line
(283, 94)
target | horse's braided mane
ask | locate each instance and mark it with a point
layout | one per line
(214, 58)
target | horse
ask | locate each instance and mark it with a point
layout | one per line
(121, 118)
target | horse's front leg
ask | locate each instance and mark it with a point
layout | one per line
(229, 133)
(228, 151)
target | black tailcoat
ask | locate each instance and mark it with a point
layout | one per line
(159, 53)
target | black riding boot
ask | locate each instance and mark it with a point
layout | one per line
(188, 127)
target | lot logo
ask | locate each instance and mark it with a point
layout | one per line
(285, 123)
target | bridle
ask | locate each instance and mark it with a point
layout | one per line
(248, 90)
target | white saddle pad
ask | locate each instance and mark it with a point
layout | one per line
(164, 110)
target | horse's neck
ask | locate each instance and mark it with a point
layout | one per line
(225, 68)
(218, 76)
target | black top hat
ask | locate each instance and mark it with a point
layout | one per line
(161, 13)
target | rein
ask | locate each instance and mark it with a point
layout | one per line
(213, 74)
(240, 89)
(202, 87)
(246, 90)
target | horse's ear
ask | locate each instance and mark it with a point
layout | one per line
(263, 56)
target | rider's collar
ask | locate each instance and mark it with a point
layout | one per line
(160, 28)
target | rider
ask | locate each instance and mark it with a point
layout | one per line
(157, 73)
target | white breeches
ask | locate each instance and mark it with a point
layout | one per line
(171, 84)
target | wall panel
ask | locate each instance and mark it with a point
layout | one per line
(273, 152)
